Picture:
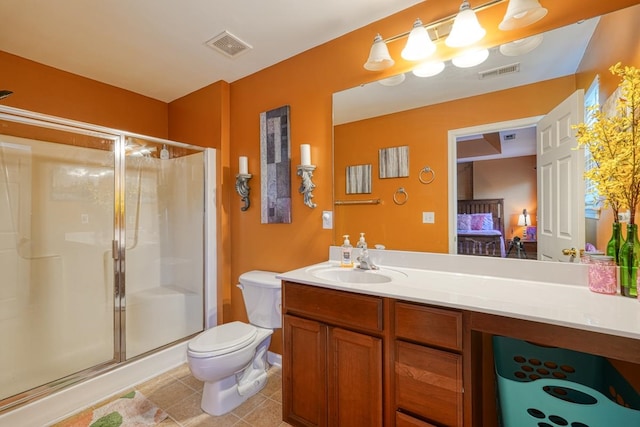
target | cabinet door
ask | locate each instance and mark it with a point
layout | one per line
(429, 383)
(304, 395)
(355, 379)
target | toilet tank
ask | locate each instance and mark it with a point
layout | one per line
(262, 294)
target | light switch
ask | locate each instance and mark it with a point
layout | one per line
(327, 219)
(428, 217)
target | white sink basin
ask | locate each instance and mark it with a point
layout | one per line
(355, 275)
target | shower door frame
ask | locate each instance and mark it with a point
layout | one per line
(118, 249)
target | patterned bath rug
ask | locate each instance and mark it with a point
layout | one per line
(130, 410)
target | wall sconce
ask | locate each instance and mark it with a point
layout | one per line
(461, 30)
(242, 182)
(305, 171)
(5, 93)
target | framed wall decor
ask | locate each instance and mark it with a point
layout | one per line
(275, 166)
(358, 179)
(394, 162)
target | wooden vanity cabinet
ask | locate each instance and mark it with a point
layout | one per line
(428, 365)
(333, 363)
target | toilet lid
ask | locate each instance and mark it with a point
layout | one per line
(224, 339)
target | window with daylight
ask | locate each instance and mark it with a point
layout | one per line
(592, 200)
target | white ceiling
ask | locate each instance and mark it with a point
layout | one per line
(157, 47)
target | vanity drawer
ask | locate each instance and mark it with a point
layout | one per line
(429, 325)
(404, 420)
(429, 383)
(361, 312)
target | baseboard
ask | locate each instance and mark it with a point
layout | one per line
(274, 359)
(76, 398)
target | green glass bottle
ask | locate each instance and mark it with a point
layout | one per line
(614, 244)
(629, 259)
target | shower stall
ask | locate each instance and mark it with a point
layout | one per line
(104, 241)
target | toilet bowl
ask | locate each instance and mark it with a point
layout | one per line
(231, 359)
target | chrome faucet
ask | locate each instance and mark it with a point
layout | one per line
(365, 262)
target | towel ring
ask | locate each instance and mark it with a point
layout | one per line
(428, 179)
(403, 194)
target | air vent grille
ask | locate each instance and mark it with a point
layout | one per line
(228, 44)
(500, 71)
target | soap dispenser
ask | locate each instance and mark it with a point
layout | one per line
(362, 243)
(345, 258)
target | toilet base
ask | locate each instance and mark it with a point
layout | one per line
(223, 396)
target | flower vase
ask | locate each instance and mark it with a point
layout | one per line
(615, 243)
(629, 260)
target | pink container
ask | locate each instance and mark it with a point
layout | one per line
(603, 274)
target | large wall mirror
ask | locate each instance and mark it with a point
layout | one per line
(415, 212)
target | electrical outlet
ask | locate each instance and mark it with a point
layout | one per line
(428, 217)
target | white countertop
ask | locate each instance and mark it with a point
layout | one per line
(554, 293)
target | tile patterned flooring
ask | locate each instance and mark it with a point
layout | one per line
(178, 393)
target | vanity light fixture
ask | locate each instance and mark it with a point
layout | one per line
(419, 44)
(428, 69)
(461, 30)
(521, 13)
(379, 58)
(305, 172)
(470, 58)
(242, 181)
(393, 80)
(422, 37)
(522, 46)
(466, 28)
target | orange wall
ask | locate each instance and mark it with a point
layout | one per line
(47, 90)
(425, 131)
(202, 118)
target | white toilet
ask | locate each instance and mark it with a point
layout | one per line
(231, 358)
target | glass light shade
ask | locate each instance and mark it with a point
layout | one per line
(522, 46)
(393, 80)
(471, 58)
(428, 69)
(466, 29)
(379, 58)
(521, 13)
(419, 45)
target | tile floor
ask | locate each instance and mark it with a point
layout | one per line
(179, 394)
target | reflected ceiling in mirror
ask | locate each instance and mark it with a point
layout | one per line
(558, 55)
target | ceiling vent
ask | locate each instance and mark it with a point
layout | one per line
(500, 71)
(228, 44)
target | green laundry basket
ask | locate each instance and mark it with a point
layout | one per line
(548, 387)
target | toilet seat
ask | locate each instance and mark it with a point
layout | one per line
(222, 339)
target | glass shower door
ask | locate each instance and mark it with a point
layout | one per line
(165, 214)
(102, 249)
(56, 233)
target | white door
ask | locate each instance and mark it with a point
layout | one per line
(560, 168)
